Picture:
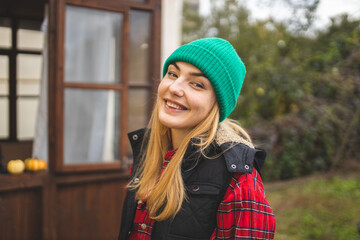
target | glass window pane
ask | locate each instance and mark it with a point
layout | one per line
(139, 46)
(5, 33)
(29, 35)
(28, 74)
(26, 117)
(4, 75)
(91, 126)
(92, 45)
(138, 109)
(4, 117)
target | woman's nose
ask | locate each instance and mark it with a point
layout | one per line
(177, 88)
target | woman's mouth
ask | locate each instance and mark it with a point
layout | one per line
(174, 105)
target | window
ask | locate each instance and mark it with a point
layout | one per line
(21, 43)
(5, 33)
(103, 80)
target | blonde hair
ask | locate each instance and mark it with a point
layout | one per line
(164, 200)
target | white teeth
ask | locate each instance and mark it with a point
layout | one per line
(173, 105)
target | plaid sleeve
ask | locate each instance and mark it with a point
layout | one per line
(244, 213)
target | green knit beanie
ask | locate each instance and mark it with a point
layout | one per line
(220, 63)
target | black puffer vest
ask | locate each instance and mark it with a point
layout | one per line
(206, 180)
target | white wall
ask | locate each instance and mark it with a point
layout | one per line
(171, 27)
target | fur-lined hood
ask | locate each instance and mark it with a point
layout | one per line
(226, 134)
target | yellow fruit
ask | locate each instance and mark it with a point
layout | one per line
(15, 166)
(34, 164)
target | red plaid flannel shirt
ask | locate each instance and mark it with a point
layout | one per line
(244, 212)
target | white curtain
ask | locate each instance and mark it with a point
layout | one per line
(40, 144)
(92, 42)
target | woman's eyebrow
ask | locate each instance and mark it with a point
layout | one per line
(196, 74)
(175, 65)
(200, 74)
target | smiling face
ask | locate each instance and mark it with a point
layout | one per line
(185, 97)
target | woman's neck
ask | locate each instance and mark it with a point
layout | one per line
(177, 136)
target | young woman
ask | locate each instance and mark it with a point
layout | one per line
(195, 173)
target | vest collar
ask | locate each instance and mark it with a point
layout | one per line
(240, 156)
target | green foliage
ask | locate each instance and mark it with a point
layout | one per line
(192, 23)
(300, 99)
(317, 208)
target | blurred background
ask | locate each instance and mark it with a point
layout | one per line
(300, 101)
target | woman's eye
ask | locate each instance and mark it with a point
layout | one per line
(172, 74)
(198, 85)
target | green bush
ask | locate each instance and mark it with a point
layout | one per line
(301, 96)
